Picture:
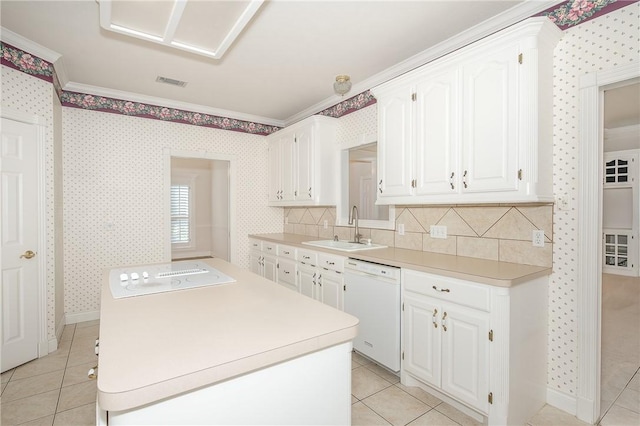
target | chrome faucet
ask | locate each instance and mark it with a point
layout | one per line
(353, 220)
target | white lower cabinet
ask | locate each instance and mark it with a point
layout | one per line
(286, 273)
(332, 288)
(314, 274)
(480, 346)
(308, 277)
(446, 346)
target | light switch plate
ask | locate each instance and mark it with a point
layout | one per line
(438, 231)
(401, 229)
(325, 224)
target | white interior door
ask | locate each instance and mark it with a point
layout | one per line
(20, 260)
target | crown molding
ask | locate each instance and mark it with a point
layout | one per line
(16, 40)
(168, 103)
(33, 48)
(505, 19)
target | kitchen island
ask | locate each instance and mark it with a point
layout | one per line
(247, 352)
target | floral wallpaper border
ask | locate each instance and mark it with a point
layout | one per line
(137, 109)
(564, 15)
(353, 104)
(27, 63)
(573, 12)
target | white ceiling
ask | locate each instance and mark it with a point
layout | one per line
(282, 65)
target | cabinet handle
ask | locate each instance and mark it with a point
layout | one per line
(444, 321)
(295, 193)
(330, 263)
(451, 180)
(306, 257)
(434, 319)
(319, 282)
(286, 272)
(380, 186)
(446, 290)
(464, 178)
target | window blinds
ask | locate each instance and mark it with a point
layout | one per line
(180, 232)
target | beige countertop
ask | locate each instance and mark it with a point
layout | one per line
(502, 274)
(160, 345)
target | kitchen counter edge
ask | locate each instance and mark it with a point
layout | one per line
(483, 271)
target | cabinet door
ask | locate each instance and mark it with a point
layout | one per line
(332, 289)
(304, 164)
(270, 265)
(395, 156)
(465, 354)
(287, 153)
(256, 263)
(274, 170)
(437, 134)
(421, 338)
(307, 281)
(490, 117)
(287, 274)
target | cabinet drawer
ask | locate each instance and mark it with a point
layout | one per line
(287, 251)
(333, 263)
(255, 244)
(270, 248)
(450, 289)
(287, 272)
(308, 257)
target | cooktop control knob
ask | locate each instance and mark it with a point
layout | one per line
(145, 275)
(124, 277)
(135, 276)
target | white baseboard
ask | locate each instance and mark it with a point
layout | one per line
(82, 317)
(52, 344)
(562, 401)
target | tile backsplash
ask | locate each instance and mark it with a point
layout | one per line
(500, 232)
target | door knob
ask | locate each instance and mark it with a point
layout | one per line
(28, 254)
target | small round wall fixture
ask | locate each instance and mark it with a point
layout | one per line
(342, 84)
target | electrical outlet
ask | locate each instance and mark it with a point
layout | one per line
(401, 229)
(438, 231)
(325, 224)
(538, 238)
(562, 202)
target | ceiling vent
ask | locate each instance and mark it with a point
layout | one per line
(171, 81)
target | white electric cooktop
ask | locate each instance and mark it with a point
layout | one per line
(142, 280)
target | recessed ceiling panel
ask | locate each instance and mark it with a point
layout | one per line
(203, 27)
(149, 17)
(206, 24)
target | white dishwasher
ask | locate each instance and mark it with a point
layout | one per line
(372, 294)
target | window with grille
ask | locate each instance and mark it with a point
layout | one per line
(617, 171)
(180, 214)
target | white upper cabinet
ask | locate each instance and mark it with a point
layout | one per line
(473, 126)
(490, 121)
(395, 144)
(303, 163)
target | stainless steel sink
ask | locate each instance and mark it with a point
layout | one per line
(343, 245)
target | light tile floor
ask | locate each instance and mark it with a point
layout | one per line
(55, 390)
(620, 377)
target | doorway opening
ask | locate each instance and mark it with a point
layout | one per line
(620, 297)
(200, 200)
(590, 231)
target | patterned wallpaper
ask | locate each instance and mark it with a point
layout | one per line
(21, 92)
(114, 189)
(607, 42)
